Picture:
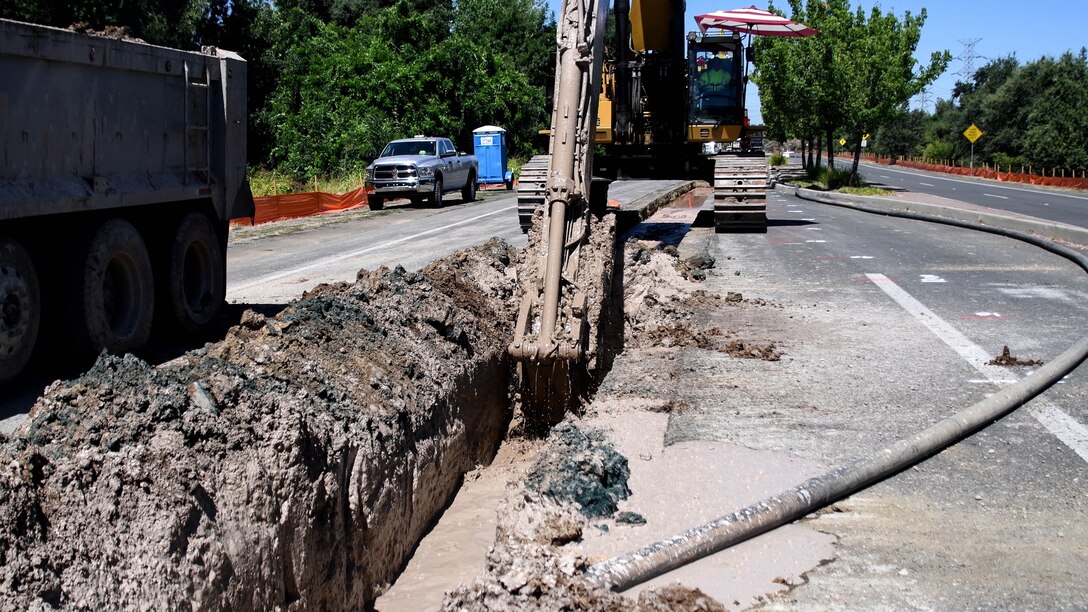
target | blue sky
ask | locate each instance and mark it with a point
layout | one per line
(1027, 29)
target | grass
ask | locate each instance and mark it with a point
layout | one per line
(866, 191)
(274, 182)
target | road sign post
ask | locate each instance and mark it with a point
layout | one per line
(972, 133)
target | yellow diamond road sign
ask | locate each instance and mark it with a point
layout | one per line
(842, 141)
(973, 133)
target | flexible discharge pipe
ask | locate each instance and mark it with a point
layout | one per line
(622, 573)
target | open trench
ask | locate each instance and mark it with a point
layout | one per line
(296, 463)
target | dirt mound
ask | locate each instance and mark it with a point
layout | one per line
(1006, 359)
(580, 468)
(747, 350)
(659, 301)
(109, 31)
(294, 463)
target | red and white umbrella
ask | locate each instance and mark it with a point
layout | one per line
(753, 21)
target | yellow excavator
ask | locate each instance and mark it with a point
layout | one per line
(670, 105)
(659, 103)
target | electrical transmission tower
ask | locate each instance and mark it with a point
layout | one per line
(967, 58)
(924, 97)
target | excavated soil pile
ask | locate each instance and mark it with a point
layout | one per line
(294, 463)
(660, 302)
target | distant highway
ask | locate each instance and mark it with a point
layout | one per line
(1044, 203)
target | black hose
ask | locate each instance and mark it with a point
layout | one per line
(622, 573)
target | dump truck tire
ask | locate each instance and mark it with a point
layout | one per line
(115, 297)
(197, 274)
(20, 308)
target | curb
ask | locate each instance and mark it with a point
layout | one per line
(1040, 227)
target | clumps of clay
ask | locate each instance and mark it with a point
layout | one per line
(580, 468)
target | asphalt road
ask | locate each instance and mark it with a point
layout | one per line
(886, 326)
(1063, 206)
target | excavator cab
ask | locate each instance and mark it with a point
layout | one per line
(716, 85)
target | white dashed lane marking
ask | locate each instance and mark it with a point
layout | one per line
(1061, 425)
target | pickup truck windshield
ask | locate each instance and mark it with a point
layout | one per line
(419, 147)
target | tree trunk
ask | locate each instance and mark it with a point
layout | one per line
(857, 159)
(819, 153)
(830, 149)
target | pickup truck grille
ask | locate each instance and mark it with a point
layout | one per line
(393, 172)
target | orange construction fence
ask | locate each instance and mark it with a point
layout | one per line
(290, 206)
(1011, 177)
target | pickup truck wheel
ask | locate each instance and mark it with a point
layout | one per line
(115, 295)
(468, 192)
(375, 202)
(436, 195)
(20, 308)
(197, 281)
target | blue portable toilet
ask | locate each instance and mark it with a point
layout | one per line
(489, 145)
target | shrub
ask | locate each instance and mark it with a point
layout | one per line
(777, 159)
(939, 152)
(831, 179)
(1008, 162)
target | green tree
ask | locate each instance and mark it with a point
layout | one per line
(1034, 113)
(853, 77)
(344, 91)
(171, 23)
(881, 74)
(902, 135)
(1057, 121)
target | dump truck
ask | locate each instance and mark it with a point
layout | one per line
(647, 108)
(123, 163)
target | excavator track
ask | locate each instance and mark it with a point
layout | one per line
(532, 185)
(740, 193)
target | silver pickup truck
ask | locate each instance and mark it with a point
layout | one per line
(421, 169)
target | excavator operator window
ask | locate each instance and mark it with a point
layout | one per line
(715, 84)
